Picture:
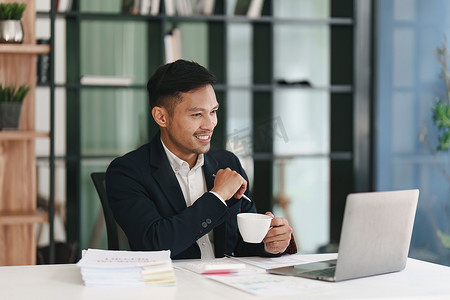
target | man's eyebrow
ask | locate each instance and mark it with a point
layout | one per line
(192, 109)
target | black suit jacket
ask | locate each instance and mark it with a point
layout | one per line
(148, 204)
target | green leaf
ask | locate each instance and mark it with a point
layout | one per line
(441, 115)
(445, 238)
(21, 93)
(12, 11)
(13, 94)
(444, 141)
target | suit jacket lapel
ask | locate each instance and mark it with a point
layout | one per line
(165, 176)
(210, 167)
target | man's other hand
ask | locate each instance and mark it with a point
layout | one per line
(278, 237)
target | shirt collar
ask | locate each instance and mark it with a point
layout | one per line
(180, 166)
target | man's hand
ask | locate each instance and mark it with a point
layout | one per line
(229, 183)
(279, 236)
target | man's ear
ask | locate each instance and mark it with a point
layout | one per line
(160, 115)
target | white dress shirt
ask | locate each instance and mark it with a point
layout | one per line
(193, 185)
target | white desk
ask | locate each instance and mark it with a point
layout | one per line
(420, 280)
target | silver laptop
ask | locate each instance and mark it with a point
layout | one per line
(375, 238)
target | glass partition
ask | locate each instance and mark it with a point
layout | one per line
(302, 122)
(301, 193)
(239, 54)
(121, 42)
(302, 54)
(93, 232)
(409, 82)
(101, 6)
(194, 42)
(301, 9)
(113, 120)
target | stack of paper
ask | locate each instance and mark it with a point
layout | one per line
(106, 267)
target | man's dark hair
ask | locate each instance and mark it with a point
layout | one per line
(168, 81)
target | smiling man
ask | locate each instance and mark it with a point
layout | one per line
(176, 192)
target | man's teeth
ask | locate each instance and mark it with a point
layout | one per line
(203, 137)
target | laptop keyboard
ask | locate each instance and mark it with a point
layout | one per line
(329, 272)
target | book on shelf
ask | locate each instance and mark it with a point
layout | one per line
(43, 64)
(106, 80)
(254, 11)
(154, 7)
(184, 7)
(130, 6)
(149, 7)
(108, 268)
(203, 7)
(249, 8)
(169, 5)
(189, 7)
(173, 45)
(64, 5)
(142, 7)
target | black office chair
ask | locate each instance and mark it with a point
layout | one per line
(111, 226)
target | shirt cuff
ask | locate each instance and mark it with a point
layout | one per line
(220, 198)
(267, 251)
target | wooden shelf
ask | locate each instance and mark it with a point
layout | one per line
(14, 218)
(18, 183)
(22, 135)
(24, 49)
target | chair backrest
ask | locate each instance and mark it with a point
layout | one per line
(111, 226)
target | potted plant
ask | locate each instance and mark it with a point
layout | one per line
(11, 30)
(441, 108)
(11, 98)
(441, 120)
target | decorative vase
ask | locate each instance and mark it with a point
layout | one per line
(11, 31)
(10, 115)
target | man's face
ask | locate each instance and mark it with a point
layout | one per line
(190, 127)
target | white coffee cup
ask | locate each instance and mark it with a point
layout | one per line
(253, 227)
